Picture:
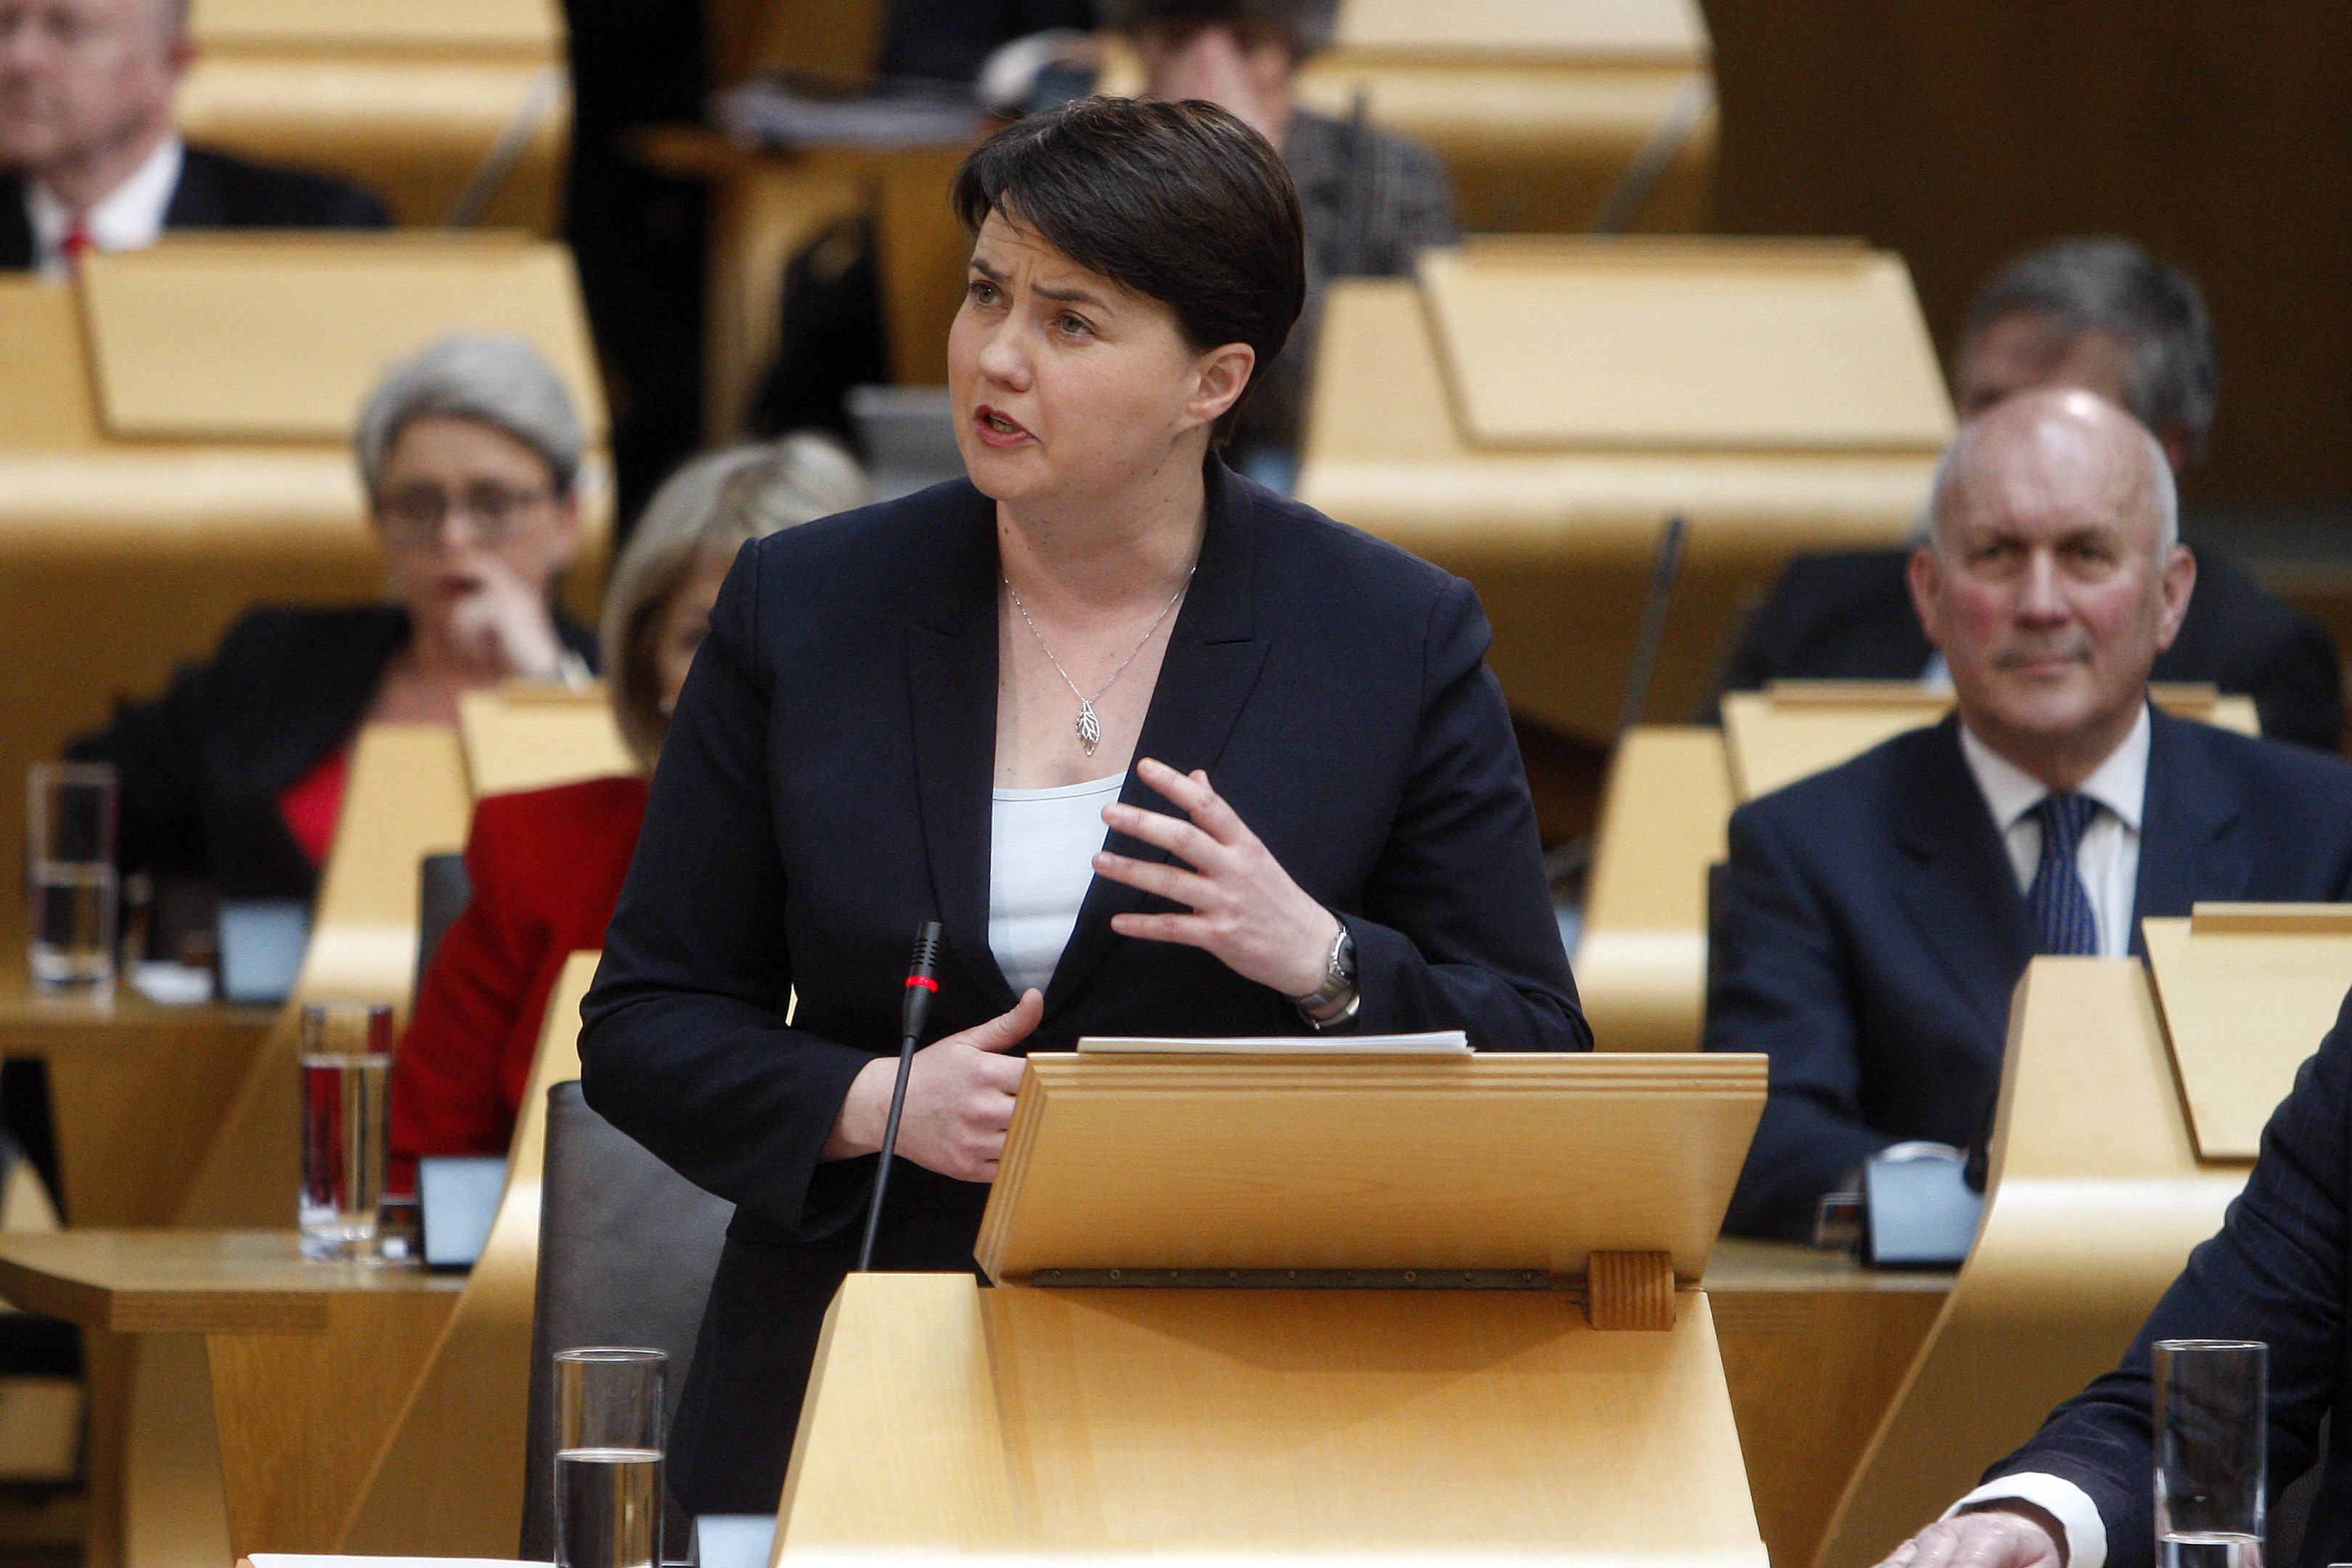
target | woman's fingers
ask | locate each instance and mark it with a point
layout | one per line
(1170, 882)
(1007, 1030)
(1181, 839)
(1191, 793)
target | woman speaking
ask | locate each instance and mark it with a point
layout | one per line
(932, 709)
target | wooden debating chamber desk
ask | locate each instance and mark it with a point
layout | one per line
(1641, 962)
(174, 448)
(455, 111)
(1529, 412)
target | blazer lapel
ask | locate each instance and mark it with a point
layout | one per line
(197, 201)
(951, 690)
(1211, 667)
(2190, 848)
(1962, 894)
(16, 224)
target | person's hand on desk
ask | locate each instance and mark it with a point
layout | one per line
(2008, 1534)
(959, 1098)
(1245, 909)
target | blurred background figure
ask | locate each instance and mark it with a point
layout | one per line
(90, 159)
(234, 777)
(546, 864)
(2104, 316)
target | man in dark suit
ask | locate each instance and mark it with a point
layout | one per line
(2104, 316)
(2078, 1495)
(1875, 916)
(89, 156)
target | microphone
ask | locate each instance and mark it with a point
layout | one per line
(913, 1012)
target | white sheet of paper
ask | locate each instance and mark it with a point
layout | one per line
(1437, 1043)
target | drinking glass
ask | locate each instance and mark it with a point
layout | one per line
(608, 1458)
(346, 1073)
(69, 877)
(2211, 1428)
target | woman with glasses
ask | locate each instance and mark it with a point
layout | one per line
(234, 777)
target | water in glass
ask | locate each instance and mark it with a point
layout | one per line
(343, 1127)
(2210, 1548)
(608, 1507)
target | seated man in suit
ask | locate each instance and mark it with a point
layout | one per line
(2103, 315)
(1875, 917)
(2078, 1495)
(88, 156)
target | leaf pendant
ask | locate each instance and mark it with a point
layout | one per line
(1089, 727)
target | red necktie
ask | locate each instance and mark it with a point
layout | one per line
(76, 244)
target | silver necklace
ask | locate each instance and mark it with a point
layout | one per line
(1089, 727)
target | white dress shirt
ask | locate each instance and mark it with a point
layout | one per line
(1041, 858)
(2108, 856)
(2077, 1515)
(128, 217)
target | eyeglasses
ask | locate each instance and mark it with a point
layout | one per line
(417, 514)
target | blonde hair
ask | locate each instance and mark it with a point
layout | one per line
(705, 511)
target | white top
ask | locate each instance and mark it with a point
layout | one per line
(128, 217)
(1041, 851)
(2108, 856)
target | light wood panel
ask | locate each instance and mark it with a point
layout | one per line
(1365, 1163)
(530, 736)
(1641, 957)
(1797, 728)
(1814, 1348)
(1583, 30)
(528, 27)
(2087, 1219)
(406, 798)
(450, 1482)
(2246, 992)
(1558, 542)
(1691, 344)
(279, 338)
(1409, 1426)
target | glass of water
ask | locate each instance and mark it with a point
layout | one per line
(2211, 1425)
(69, 828)
(608, 1458)
(346, 1074)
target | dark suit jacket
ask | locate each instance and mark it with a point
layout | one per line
(826, 786)
(1848, 617)
(202, 765)
(219, 191)
(2279, 1271)
(1870, 931)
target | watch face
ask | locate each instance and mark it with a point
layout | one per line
(1343, 957)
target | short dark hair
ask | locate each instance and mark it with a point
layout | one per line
(1180, 202)
(2153, 308)
(1300, 26)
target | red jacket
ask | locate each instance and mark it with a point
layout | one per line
(547, 867)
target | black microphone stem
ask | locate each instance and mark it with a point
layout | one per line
(920, 986)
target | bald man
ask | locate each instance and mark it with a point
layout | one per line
(89, 155)
(1875, 917)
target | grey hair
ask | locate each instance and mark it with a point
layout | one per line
(2162, 487)
(502, 381)
(2154, 308)
(704, 511)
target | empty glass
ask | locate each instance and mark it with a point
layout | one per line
(2212, 1430)
(608, 1459)
(346, 1076)
(69, 877)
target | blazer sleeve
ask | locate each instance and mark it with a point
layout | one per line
(2275, 1273)
(1457, 929)
(157, 748)
(684, 1045)
(1779, 986)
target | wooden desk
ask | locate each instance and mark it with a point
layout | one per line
(408, 100)
(1814, 1348)
(137, 1090)
(1559, 537)
(307, 1367)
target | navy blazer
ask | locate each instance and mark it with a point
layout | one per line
(2279, 1271)
(1847, 616)
(217, 189)
(1870, 932)
(826, 786)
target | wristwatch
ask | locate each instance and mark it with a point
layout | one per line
(1338, 981)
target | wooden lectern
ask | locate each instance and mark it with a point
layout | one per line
(1337, 1304)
